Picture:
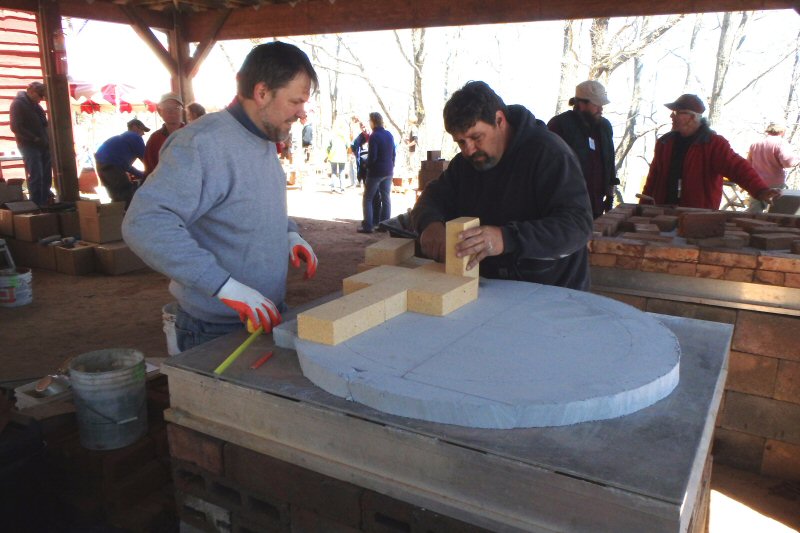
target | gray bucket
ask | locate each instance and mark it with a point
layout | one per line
(110, 398)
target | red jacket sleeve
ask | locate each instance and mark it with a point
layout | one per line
(735, 167)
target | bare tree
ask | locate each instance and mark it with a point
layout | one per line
(698, 25)
(569, 65)
(731, 37)
(792, 96)
(416, 60)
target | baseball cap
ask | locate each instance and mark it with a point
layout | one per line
(170, 96)
(690, 102)
(39, 87)
(593, 91)
(138, 123)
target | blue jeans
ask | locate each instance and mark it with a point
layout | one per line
(191, 331)
(39, 171)
(377, 203)
(336, 175)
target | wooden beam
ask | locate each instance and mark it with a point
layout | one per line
(205, 46)
(322, 16)
(31, 6)
(111, 12)
(143, 30)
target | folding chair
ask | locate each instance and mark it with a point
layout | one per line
(733, 196)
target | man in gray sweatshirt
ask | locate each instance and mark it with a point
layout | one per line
(213, 216)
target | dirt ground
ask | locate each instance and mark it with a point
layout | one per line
(71, 315)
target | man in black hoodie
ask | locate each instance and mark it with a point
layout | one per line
(525, 185)
(29, 124)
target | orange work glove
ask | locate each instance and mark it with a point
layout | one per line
(253, 307)
(300, 249)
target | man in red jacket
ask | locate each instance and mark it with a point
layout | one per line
(691, 160)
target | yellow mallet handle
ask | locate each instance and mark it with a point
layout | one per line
(238, 351)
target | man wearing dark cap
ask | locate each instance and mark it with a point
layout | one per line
(590, 136)
(691, 160)
(170, 108)
(29, 124)
(115, 159)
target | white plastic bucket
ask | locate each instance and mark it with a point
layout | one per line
(15, 288)
(168, 313)
(110, 398)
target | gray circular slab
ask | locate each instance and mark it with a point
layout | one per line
(522, 355)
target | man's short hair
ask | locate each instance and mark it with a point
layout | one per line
(38, 87)
(473, 102)
(774, 128)
(376, 118)
(275, 64)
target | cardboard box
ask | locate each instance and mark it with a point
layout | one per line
(6, 222)
(31, 254)
(101, 229)
(76, 261)
(24, 206)
(34, 226)
(115, 258)
(68, 224)
(11, 192)
(92, 209)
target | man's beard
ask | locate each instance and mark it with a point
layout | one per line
(590, 118)
(485, 164)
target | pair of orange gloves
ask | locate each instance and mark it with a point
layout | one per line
(255, 309)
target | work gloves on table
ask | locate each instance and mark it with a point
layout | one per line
(254, 308)
(300, 249)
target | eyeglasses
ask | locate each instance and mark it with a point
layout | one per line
(690, 113)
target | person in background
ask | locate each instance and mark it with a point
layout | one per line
(591, 137)
(770, 156)
(170, 109)
(336, 155)
(213, 215)
(360, 149)
(28, 122)
(194, 111)
(307, 138)
(115, 159)
(525, 185)
(691, 160)
(380, 169)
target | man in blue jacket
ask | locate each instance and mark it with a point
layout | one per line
(115, 159)
(29, 124)
(525, 185)
(380, 169)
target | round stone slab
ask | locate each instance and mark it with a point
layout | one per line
(522, 355)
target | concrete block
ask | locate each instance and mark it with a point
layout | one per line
(781, 460)
(195, 448)
(738, 449)
(772, 241)
(723, 315)
(767, 334)
(752, 374)
(701, 225)
(457, 266)
(618, 246)
(779, 262)
(391, 251)
(770, 278)
(729, 259)
(787, 383)
(443, 295)
(763, 417)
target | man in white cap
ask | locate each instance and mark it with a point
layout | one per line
(170, 108)
(691, 160)
(590, 136)
(770, 156)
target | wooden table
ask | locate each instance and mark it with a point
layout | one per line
(648, 471)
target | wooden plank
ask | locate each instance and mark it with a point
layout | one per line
(483, 489)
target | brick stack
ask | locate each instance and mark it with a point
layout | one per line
(758, 428)
(221, 486)
(430, 169)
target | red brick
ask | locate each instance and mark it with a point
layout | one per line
(310, 522)
(627, 262)
(726, 241)
(691, 310)
(602, 260)
(752, 374)
(763, 417)
(701, 225)
(787, 385)
(728, 259)
(646, 237)
(651, 211)
(710, 271)
(739, 274)
(639, 302)
(772, 241)
(195, 448)
(666, 222)
(768, 277)
(627, 211)
(779, 262)
(617, 246)
(681, 269)
(654, 265)
(781, 460)
(738, 449)
(606, 227)
(748, 224)
(686, 254)
(767, 334)
(386, 515)
(792, 280)
(649, 229)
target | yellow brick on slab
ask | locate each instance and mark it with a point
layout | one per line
(432, 267)
(391, 251)
(363, 267)
(415, 262)
(442, 295)
(373, 276)
(457, 266)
